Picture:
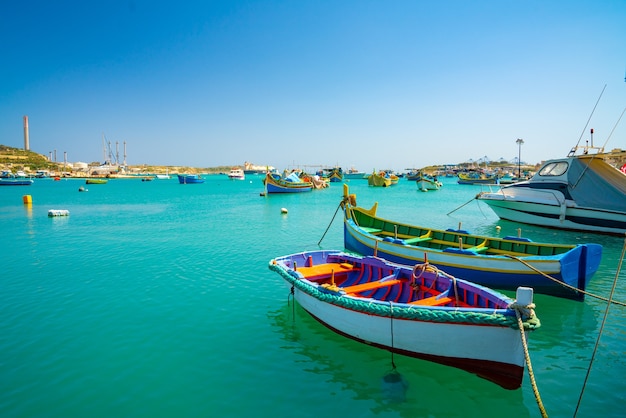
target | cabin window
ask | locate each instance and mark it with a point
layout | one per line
(554, 169)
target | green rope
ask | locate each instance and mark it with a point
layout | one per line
(416, 313)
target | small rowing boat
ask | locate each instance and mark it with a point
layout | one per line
(417, 311)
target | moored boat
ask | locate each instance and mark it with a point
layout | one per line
(417, 311)
(580, 192)
(427, 182)
(96, 181)
(236, 173)
(334, 175)
(381, 179)
(501, 263)
(473, 177)
(274, 183)
(354, 174)
(190, 179)
(16, 182)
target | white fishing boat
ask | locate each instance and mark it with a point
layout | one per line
(579, 192)
(236, 173)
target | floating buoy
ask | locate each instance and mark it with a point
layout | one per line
(498, 228)
(283, 210)
(261, 194)
(27, 199)
(58, 212)
(82, 189)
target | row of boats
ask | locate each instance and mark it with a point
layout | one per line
(430, 293)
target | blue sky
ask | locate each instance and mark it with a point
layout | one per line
(369, 84)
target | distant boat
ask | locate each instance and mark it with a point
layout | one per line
(418, 311)
(96, 181)
(190, 179)
(236, 173)
(334, 175)
(473, 177)
(354, 174)
(580, 192)
(427, 182)
(165, 176)
(382, 179)
(15, 182)
(274, 183)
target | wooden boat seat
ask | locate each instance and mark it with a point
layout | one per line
(371, 230)
(358, 288)
(478, 249)
(326, 269)
(432, 301)
(416, 240)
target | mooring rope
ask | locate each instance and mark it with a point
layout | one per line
(531, 374)
(393, 364)
(563, 283)
(331, 221)
(606, 314)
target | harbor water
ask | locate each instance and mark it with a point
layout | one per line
(154, 299)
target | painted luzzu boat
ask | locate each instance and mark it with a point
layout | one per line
(274, 183)
(416, 311)
(190, 179)
(502, 263)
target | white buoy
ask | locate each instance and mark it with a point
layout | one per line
(283, 210)
(58, 212)
(498, 228)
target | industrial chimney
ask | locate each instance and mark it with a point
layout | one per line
(26, 145)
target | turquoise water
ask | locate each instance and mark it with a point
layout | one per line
(154, 299)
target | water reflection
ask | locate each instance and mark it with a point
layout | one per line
(413, 388)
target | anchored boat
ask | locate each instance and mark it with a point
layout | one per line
(502, 263)
(417, 311)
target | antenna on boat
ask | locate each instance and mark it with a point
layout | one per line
(613, 130)
(573, 151)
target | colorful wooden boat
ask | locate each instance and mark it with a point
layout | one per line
(334, 175)
(96, 181)
(501, 263)
(379, 179)
(190, 179)
(473, 177)
(417, 311)
(426, 182)
(274, 183)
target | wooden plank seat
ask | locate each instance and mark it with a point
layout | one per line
(478, 249)
(371, 230)
(358, 288)
(416, 240)
(433, 301)
(326, 269)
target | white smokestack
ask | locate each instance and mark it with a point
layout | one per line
(26, 145)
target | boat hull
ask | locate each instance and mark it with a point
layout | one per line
(190, 179)
(560, 216)
(5, 182)
(446, 344)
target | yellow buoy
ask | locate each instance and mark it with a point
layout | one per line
(27, 199)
